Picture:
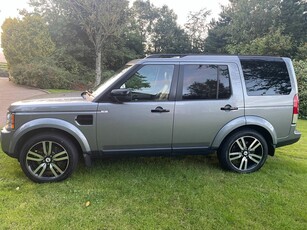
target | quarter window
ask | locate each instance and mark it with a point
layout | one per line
(266, 77)
(205, 82)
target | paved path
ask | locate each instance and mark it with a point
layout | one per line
(10, 92)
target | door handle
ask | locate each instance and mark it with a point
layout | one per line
(159, 109)
(228, 108)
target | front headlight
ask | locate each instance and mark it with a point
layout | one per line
(10, 121)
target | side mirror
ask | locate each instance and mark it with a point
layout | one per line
(121, 95)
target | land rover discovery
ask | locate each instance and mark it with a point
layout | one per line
(241, 107)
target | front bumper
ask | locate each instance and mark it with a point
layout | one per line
(6, 138)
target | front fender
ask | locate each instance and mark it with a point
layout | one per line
(241, 122)
(53, 124)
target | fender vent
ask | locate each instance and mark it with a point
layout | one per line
(84, 119)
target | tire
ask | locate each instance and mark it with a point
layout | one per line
(244, 151)
(48, 157)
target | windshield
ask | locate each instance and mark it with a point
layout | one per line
(110, 81)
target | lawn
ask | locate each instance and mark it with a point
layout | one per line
(161, 193)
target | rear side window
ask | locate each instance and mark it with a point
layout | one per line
(266, 77)
(205, 82)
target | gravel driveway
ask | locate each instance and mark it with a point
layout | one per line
(10, 92)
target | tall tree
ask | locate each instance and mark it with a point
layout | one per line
(101, 19)
(218, 35)
(197, 29)
(167, 36)
(244, 25)
(144, 15)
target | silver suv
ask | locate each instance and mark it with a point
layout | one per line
(241, 107)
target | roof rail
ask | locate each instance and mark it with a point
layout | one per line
(166, 55)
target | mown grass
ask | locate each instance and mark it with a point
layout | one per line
(161, 193)
(59, 91)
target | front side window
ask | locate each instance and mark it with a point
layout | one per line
(266, 77)
(205, 82)
(151, 83)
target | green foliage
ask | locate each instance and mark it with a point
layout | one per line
(301, 75)
(4, 73)
(167, 36)
(76, 34)
(158, 29)
(274, 43)
(161, 193)
(260, 27)
(196, 28)
(293, 18)
(3, 70)
(22, 40)
(42, 74)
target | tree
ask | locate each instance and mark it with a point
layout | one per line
(25, 40)
(101, 20)
(144, 15)
(293, 17)
(197, 29)
(301, 75)
(63, 27)
(260, 27)
(218, 35)
(167, 36)
(274, 43)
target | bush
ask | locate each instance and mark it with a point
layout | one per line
(4, 73)
(83, 76)
(301, 75)
(42, 75)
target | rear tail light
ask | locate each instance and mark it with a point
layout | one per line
(295, 109)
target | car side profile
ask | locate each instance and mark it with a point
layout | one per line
(242, 107)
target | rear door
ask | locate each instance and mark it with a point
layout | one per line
(209, 96)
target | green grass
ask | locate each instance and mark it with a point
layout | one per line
(59, 91)
(161, 193)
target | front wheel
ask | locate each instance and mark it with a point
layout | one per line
(245, 151)
(48, 157)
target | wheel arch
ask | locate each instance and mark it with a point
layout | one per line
(258, 124)
(37, 126)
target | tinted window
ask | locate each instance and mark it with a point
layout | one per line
(151, 83)
(201, 82)
(266, 77)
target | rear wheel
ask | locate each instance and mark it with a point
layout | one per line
(48, 157)
(245, 151)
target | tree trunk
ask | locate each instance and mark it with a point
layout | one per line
(98, 67)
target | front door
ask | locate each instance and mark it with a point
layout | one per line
(146, 122)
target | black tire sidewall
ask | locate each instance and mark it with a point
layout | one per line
(61, 139)
(224, 150)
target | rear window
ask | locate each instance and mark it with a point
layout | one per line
(266, 77)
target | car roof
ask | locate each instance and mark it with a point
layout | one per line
(200, 57)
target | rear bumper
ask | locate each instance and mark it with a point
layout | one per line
(291, 139)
